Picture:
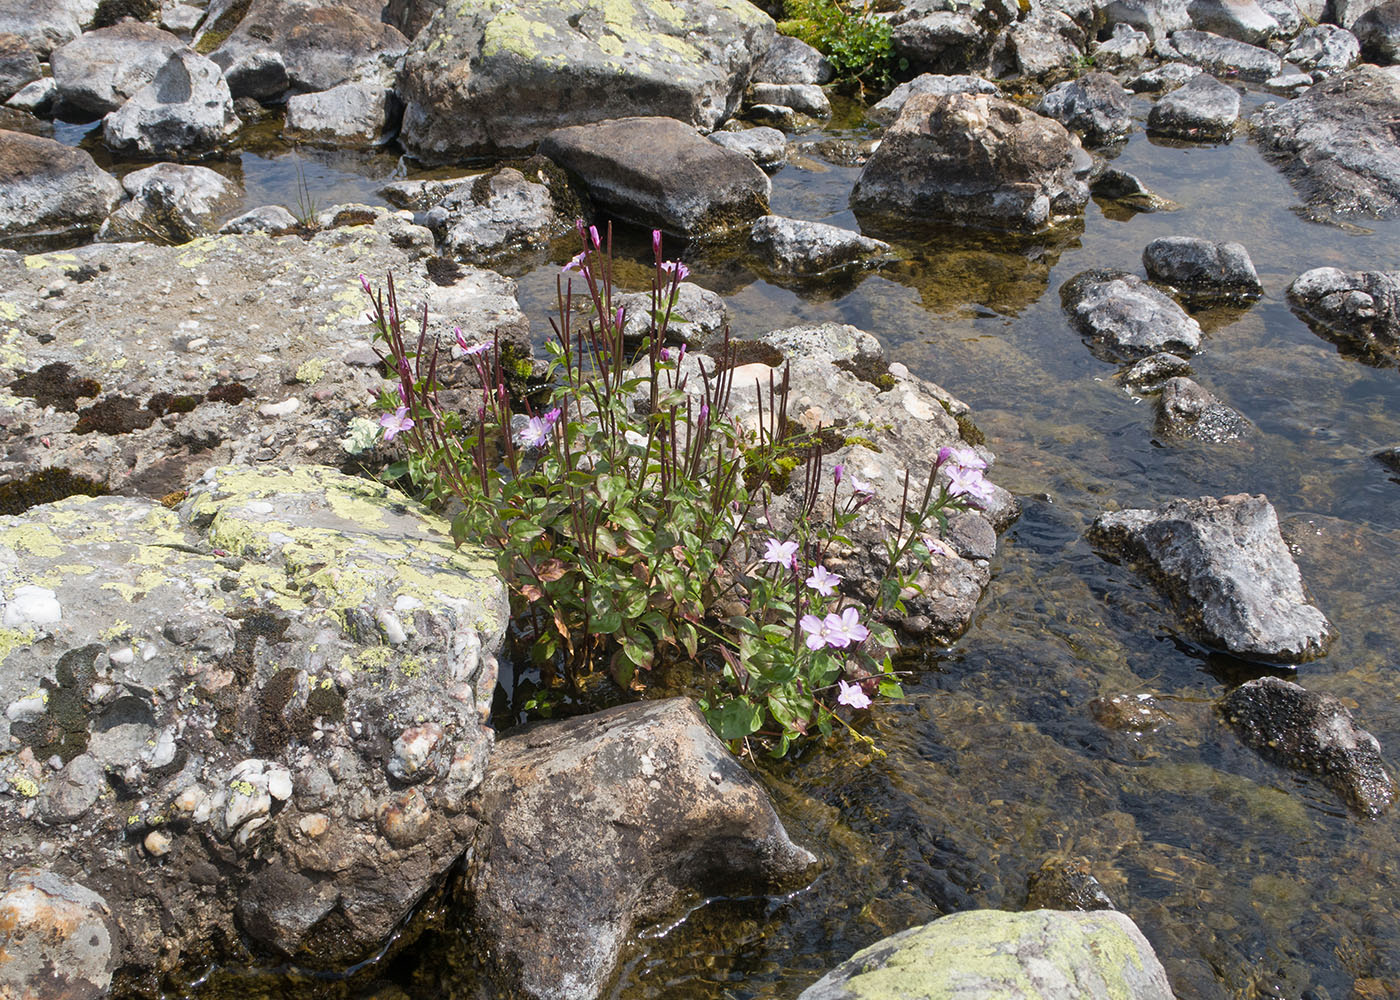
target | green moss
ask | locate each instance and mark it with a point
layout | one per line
(46, 486)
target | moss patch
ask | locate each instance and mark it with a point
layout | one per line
(114, 415)
(46, 486)
(55, 385)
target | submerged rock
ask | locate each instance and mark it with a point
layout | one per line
(1095, 105)
(49, 191)
(101, 70)
(1185, 410)
(1125, 317)
(185, 109)
(1202, 109)
(1065, 884)
(792, 246)
(1227, 568)
(1202, 269)
(170, 203)
(1359, 310)
(1313, 733)
(1153, 371)
(988, 954)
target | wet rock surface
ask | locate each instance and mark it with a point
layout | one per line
(1202, 269)
(594, 825)
(1095, 106)
(49, 191)
(1201, 109)
(1313, 733)
(792, 246)
(1126, 318)
(1152, 372)
(1359, 310)
(1065, 884)
(1225, 565)
(1188, 411)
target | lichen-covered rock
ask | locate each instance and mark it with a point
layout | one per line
(185, 109)
(792, 246)
(1226, 567)
(170, 203)
(1359, 309)
(1313, 733)
(992, 955)
(594, 824)
(662, 174)
(887, 109)
(99, 71)
(1188, 411)
(287, 677)
(57, 938)
(1226, 56)
(1095, 105)
(1126, 318)
(490, 76)
(1202, 109)
(973, 160)
(19, 65)
(1202, 269)
(50, 192)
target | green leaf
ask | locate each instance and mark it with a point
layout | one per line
(637, 647)
(736, 719)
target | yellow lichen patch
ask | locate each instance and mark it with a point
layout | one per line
(128, 592)
(32, 539)
(10, 311)
(374, 658)
(41, 260)
(11, 354)
(12, 639)
(311, 372)
(75, 569)
(510, 31)
(117, 630)
(24, 785)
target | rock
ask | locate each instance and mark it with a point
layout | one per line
(1202, 109)
(499, 212)
(987, 954)
(1224, 564)
(1126, 189)
(170, 203)
(595, 824)
(68, 796)
(779, 116)
(50, 192)
(1290, 81)
(1152, 372)
(1201, 269)
(1378, 32)
(1325, 49)
(1123, 48)
(1335, 142)
(1065, 884)
(57, 937)
(1134, 713)
(1045, 45)
(99, 71)
(19, 65)
(791, 60)
(1225, 56)
(972, 160)
(698, 318)
(186, 109)
(259, 615)
(766, 147)
(1166, 77)
(1389, 457)
(1185, 410)
(791, 246)
(887, 109)
(1242, 20)
(1348, 12)
(1125, 317)
(1288, 15)
(264, 219)
(359, 113)
(1095, 105)
(180, 19)
(661, 173)
(46, 24)
(949, 38)
(1155, 18)
(1359, 310)
(37, 98)
(1313, 733)
(806, 98)
(488, 77)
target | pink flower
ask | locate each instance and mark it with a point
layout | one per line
(861, 486)
(964, 457)
(364, 283)
(823, 581)
(396, 422)
(967, 482)
(577, 263)
(535, 433)
(837, 472)
(817, 632)
(677, 268)
(593, 233)
(656, 242)
(845, 628)
(853, 695)
(468, 348)
(782, 553)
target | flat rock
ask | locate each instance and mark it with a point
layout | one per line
(1202, 109)
(791, 60)
(1242, 20)
(170, 203)
(50, 192)
(1125, 317)
(661, 173)
(46, 24)
(1324, 49)
(973, 160)
(1095, 105)
(595, 824)
(1225, 565)
(805, 98)
(263, 219)
(357, 113)
(1337, 143)
(99, 71)
(1188, 411)
(19, 65)
(1313, 733)
(186, 109)
(795, 247)
(887, 109)
(488, 77)
(1226, 56)
(1378, 32)
(1358, 309)
(1202, 269)
(991, 955)
(57, 937)
(1163, 78)
(766, 147)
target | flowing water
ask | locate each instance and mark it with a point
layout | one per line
(1249, 880)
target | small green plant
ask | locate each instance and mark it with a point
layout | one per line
(858, 44)
(307, 208)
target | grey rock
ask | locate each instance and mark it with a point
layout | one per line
(1187, 411)
(1125, 317)
(1225, 56)
(792, 246)
(1164, 78)
(1065, 884)
(1047, 43)
(180, 19)
(1153, 371)
(888, 108)
(791, 60)
(971, 536)
(1048, 954)
(1155, 18)
(170, 203)
(1348, 12)
(501, 212)
(661, 173)
(1242, 20)
(1128, 190)
(1229, 572)
(766, 147)
(1202, 109)
(698, 317)
(49, 191)
(603, 821)
(102, 69)
(1202, 269)
(1335, 142)
(484, 78)
(73, 791)
(37, 98)
(19, 65)
(186, 109)
(805, 98)
(59, 938)
(1095, 105)
(1313, 733)
(949, 38)
(264, 219)
(1123, 48)
(1358, 309)
(973, 160)
(779, 116)
(1325, 49)
(1290, 81)
(358, 113)
(46, 24)
(1378, 32)
(1288, 15)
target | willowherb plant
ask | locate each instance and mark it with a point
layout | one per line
(622, 509)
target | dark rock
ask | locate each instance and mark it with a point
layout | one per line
(1324, 49)
(791, 60)
(1242, 20)
(1095, 105)
(1313, 733)
(101, 70)
(1153, 371)
(1225, 565)
(1338, 142)
(1202, 109)
(766, 147)
(1225, 56)
(661, 173)
(186, 109)
(18, 65)
(1185, 410)
(804, 98)
(1126, 317)
(58, 937)
(779, 116)
(1359, 310)
(1126, 189)
(1378, 32)
(973, 160)
(1065, 884)
(1389, 457)
(170, 203)
(595, 824)
(888, 108)
(948, 38)
(792, 246)
(1201, 269)
(50, 191)
(1134, 713)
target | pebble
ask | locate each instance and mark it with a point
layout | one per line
(314, 824)
(32, 606)
(157, 843)
(282, 409)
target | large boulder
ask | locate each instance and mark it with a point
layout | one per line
(46, 24)
(1232, 577)
(593, 825)
(171, 203)
(1359, 309)
(1340, 142)
(491, 76)
(1378, 32)
(286, 677)
(661, 173)
(19, 65)
(1126, 318)
(1242, 20)
(973, 160)
(357, 113)
(993, 955)
(186, 110)
(1226, 56)
(49, 191)
(99, 71)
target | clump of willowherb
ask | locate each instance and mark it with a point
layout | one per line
(627, 507)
